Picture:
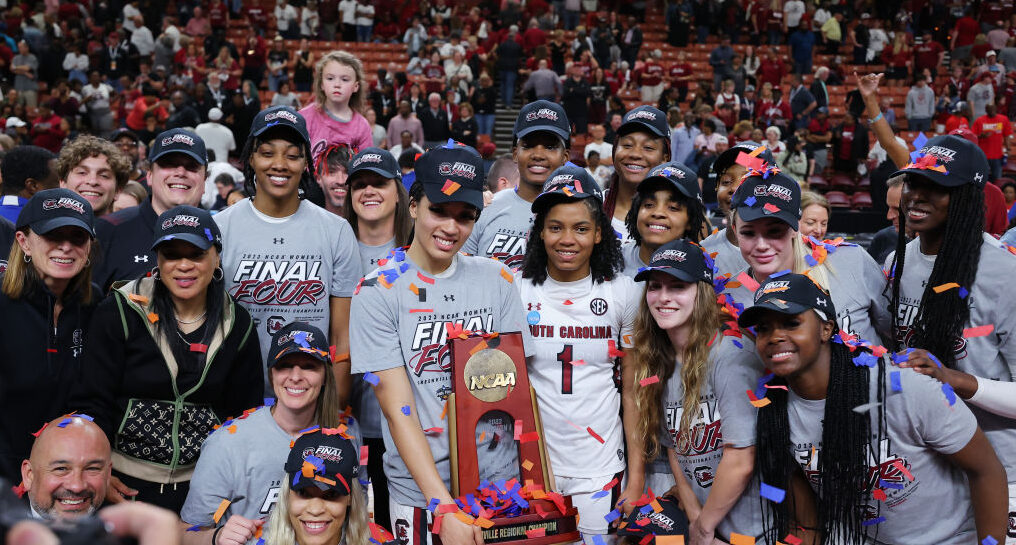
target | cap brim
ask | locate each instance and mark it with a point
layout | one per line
(751, 315)
(45, 226)
(200, 160)
(683, 276)
(380, 171)
(197, 240)
(638, 125)
(304, 482)
(728, 158)
(303, 137)
(933, 176)
(544, 200)
(323, 358)
(749, 213)
(463, 194)
(644, 185)
(557, 131)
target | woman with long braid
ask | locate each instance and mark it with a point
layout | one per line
(951, 290)
(863, 454)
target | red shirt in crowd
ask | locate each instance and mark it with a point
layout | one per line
(926, 55)
(651, 74)
(217, 14)
(47, 132)
(991, 132)
(955, 122)
(136, 117)
(771, 70)
(532, 38)
(845, 150)
(996, 216)
(967, 29)
(677, 71)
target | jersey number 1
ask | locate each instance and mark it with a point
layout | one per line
(565, 357)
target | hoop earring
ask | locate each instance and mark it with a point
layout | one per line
(28, 258)
(154, 273)
(218, 274)
(88, 262)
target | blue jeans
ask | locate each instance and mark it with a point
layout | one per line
(363, 33)
(485, 124)
(995, 168)
(508, 78)
(275, 81)
(571, 19)
(919, 124)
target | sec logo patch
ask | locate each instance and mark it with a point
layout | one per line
(598, 306)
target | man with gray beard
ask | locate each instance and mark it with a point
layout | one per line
(66, 475)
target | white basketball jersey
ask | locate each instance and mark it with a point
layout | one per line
(574, 325)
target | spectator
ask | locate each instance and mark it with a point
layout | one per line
(310, 21)
(963, 34)
(48, 129)
(860, 39)
(898, 59)
(119, 58)
(849, 144)
(877, 40)
(929, 54)
(720, 59)
(404, 121)
(575, 99)
(706, 141)
(748, 104)
(255, 60)
(820, 134)
(129, 144)
(884, 241)
(142, 38)
(95, 169)
(682, 144)
(772, 141)
(509, 57)
(287, 20)
(415, 37)
(832, 33)
(992, 67)
(993, 132)
(464, 129)
(434, 122)
(802, 46)
(378, 134)
(406, 143)
(181, 113)
(600, 172)
(1007, 55)
(727, 97)
(133, 194)
(797, 162)
(217, 137)
(328, 13)
(793, 11)
(279, 63)
(364, 21)
(286, 97)
(631, 41)
(920, 106)
(25, 171)
(980, 95)
(815, 214)
(65, 476)
(484, 101)
(303, 68)
(544, 83)
(772, 69)
(819, 88)
(339, 96)
(75, 64)
(599, 144)
(347, 8)
(680, 74)
(25, 67)
(802, 102)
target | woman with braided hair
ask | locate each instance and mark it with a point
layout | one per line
(951, 290)
(851, 452)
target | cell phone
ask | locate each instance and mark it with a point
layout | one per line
(89, 530)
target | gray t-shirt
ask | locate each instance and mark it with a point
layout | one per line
(398, 319)
(502, 230)
(991, 356)
(286, 269)
(726, 418)
(368, 409)
(22, 82)
(728, 257)
(632, 261)
(857, 287)
(921, 427)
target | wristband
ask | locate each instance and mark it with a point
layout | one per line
(872, 121)
(215, 534)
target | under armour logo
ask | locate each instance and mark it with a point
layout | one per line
(141, 259)
(538, 305)
(978, 177)
(279, 240)
(449, 297)
(820, 301)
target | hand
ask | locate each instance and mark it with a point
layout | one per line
(456, 532)
(700, 535)
(30, 532)
(117, 492)
(868, 85)
(238, 531)
(629, 496)
(923, 362)
(151, 525)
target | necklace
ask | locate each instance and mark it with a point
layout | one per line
(194, 321)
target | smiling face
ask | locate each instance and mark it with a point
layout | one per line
(814, 221)
(661, 218)
(339, 82)
(926, 205)
(317, 516)
(59, 255)
(537, 155)
(176, 179)
(790, 344)
(278, 165)
(93, 179)
(726, 184)
(440, 231)
(185, 269)
(635, 153)
(68, 470)
(670, 301)
(374, 197)
(335, 184)
(766, 244)
(569, 235)
(297, 381)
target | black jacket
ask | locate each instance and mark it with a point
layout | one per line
(157, 411)
(38, 368)
(6, 240)
(125, 241)
(435, 127)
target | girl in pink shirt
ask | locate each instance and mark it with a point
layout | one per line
(334, 117)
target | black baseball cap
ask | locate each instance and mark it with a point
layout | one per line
(280, 116)
(542, 115)
(54, 208)
(682, 259)
(669, 521)
(326, 460)
(189, 224)
(375, 160)
(299, 337)
(949, 161)
(728, 158)
(452, 173)
(788, 293)
(773, 194)
(120, 133)
(179, 141)
(645, 118)
(567, 183)
(677, 175)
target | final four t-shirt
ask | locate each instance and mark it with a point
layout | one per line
(502, 230)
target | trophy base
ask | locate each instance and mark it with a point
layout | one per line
(558, 528)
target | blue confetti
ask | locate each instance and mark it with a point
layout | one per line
(208, 233)
(950, 394)
(296, 479)
(894, 380)
(300, 338)
(646, 509)
(737, 343)
(989, 541)
(371, 378)
(914, 156)
(780, 273)
(598, 540)
(600, 494)
(811, 261)
(934, 359)
(319, 464)
(433, 504)
(866, 359)
(963, 293)
(772, 493)
(403, 268)
(873, 522)
(261, 541)
(533, 317)
(750, 201)
(195, 528)
(887, 484)
(405, 410)
(63, 423)
(612, 516)
(307, 430)
(269, 401)
(920, 141)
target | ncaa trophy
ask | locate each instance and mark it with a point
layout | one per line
(500, 470)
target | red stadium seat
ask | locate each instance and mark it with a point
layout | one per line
(818, 183)
(841, 182)
(864, 184)
(861, 200)
(838, 199)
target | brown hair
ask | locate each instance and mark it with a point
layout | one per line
(21, 277)
(86, 146)
(328, 413)
(403, 221)
(356, 101)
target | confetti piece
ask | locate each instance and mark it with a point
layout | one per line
(476, 348)
(536, 532)
(529, 437)
(199, 348)
(450, 187)
(749, 161)
(371, 379)
(269, 401)
(598, 540)
(740, 539)
(612, 351)
(750, 201)
(418, 310)
(866, 407)
(791, 539)
(424, 278)
(578, 362)
(903, 469)
(979, 331)
(894, 381)
(568, 302)
(963, 293)
(220, 511)
(527, 465)
(433, 504)
(139, 299)
(595, 436)
(865, 359)
(405, 410)
(945, 287)
(873, 522)
(950, 394)
(756, 402)
(603, 493)
(748, 282)
(989, 541)
(518, 429)
(444, 410)
(886, 484)
(364, 454)
(231, 429)
(195, 528)
(878, 494)
(649, 380)
(772, 209)
(153, 317)
(507, 275)
(668, 540)
(772, 493)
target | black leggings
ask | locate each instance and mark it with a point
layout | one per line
(169, 496)
(378, 479)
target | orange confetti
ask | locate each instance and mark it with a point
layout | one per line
(483, 435)
(527, 465)
(945, 287)
(464, 517)
(979, 331)
(741, 539)
(669, 540)
(413, 288)
(444, 410)
(319, 478)
(418, 310)
(139, 299)
(479, 346)
(232, 428)
(483, 522)
(536, 532)
(507, 275)
(220, 511)
(450, 187)
(153, 317)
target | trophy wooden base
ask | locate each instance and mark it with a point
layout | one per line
(557, 527)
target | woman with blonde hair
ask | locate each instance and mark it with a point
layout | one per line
(815, 214)
(336, 115)
(696, 410)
